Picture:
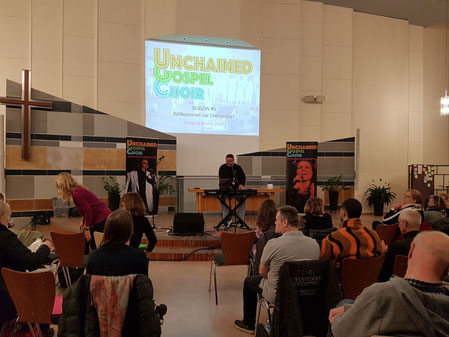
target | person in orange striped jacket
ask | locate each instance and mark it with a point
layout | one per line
(352, 240)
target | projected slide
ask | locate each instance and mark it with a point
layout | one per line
(202, 89)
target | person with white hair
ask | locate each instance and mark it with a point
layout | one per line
(416, 305)
(14, 255)
(409, 222)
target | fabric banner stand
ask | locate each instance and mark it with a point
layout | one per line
(301, 173)
(141, 161)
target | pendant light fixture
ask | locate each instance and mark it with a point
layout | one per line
(444, 101)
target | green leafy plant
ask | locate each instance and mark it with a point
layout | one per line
(334, 184)
(379, 193)
(111, 186)
(163, 186)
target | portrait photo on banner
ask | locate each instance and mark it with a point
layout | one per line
(301, 175)
(141, 171)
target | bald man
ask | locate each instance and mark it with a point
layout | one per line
(416, 305)
(409, 222)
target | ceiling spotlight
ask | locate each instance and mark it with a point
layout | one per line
(227, 42)
(184, 38)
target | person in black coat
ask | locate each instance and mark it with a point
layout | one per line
(232, 176)
(133, 203)
(115, 257)
(409, 222)
(14, 255)
(315, 217)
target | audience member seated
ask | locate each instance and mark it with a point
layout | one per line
(352, 240)
(435, 210)
(417, 305)
(266, 219)
(315, 217)
(409, 222)
(412, 199)
(445, 198)
(14, 255)
(293, 245)
(27, 236)
(133, 203)
(115, 257)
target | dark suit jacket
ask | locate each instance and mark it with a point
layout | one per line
(400, 247)
(14, 255)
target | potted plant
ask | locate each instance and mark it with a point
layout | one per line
(162, 187)
(113, 188)
(333, 186)
(379, 195)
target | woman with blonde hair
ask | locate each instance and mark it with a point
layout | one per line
(412, 200)
(315, 217)
(133, 203)
(435, 210)
(92, 210)
(115, 257)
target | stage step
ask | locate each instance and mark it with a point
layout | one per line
(188, 241)
(183, 253)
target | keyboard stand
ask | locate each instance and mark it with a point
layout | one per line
(226, 223)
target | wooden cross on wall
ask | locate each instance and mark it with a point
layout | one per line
(26, 103)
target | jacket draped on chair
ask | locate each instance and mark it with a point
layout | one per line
(307, 290)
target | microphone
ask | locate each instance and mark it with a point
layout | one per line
(232, 163)
(161, 158)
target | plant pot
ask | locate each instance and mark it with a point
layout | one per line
(113, 201)
(333, 201)
(378, 208)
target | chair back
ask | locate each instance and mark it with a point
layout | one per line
(236, 247)
(387, 233)
(320, 234)
(33, 294)
(357, 274)
(70, 248)
(98, 237)
(400, 265)
(56, 229)
(307, 290)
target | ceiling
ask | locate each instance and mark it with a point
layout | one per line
(417, 12)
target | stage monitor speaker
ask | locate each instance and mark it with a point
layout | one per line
(188, 223)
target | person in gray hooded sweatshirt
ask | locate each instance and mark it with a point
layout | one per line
(416, 305)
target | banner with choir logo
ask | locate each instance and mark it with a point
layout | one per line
(301, 173)
(141, 159)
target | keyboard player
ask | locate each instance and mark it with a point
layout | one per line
(231, 176)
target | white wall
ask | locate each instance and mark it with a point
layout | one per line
(203, 154)
(435, 127)
(380, 100)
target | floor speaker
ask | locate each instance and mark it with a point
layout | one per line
(188, 223)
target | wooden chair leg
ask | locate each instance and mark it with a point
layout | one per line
(215, 283)
(258, 312)
(15, 327)
(64, 272)
(31, 329)
(39, 330)
(210, 274)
